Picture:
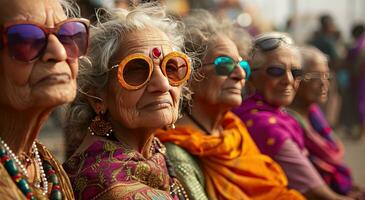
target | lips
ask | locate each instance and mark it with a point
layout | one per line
(54, 79)
(233, 90)
(158, 104)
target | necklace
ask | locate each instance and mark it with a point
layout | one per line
(198, 123)
(21, 181)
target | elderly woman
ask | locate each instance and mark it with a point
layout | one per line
(39, 50)
(326, 153)
(277, 72)
(130, 86)
(211, 150)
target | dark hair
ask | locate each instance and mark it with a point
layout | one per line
(357, 30)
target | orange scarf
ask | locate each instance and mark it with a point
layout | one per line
(233, 166)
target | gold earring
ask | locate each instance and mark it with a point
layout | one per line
(99, 126)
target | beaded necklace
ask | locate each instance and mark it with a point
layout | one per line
(12, 165)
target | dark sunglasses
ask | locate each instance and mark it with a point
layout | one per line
(277, 72)
(225, 65)
(135, 70)
(271, 43)
(27, 41)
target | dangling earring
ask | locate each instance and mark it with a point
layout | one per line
(99, 126)
(172, 126)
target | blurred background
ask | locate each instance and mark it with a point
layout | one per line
(335, 26)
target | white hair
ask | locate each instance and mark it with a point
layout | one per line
(112, 27)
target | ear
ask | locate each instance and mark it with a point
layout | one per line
(96, 100)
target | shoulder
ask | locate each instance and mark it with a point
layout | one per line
(84, 168)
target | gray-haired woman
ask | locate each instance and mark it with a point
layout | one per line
(130, 86)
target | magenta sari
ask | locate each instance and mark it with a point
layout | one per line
(325, 153)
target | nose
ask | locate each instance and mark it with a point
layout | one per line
(158, 81)
(238, 73)
(54, 51)
(288, 77)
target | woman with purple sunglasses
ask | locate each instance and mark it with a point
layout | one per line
(276, 74)
(39, 49)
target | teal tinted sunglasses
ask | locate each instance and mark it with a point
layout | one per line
(225, 65)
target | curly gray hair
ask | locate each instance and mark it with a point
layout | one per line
(202, 28)
(106, 36)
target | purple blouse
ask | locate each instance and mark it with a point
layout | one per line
(268, 125)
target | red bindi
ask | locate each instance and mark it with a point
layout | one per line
(156, 52)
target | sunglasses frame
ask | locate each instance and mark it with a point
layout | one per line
(322, 78)
(291, 71)
(166, 58)
(248, 73)
(46, 30)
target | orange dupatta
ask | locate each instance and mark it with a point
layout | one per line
(232, 164)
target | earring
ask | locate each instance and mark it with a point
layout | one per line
(99, 126)
(172, 126)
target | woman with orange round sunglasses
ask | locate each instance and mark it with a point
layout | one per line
(39, 47)
(130, 85)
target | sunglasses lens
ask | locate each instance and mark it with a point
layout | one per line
(176, 69)
(136, 72)
(74, 37)
(268, 44)
(275, 71)
(224, 65)
(246, 67)
(297, 73)
(25, 41)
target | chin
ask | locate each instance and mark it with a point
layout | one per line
(233, 101)
(55, 96)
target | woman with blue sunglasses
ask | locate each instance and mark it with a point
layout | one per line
(210, 148)
(276, 75)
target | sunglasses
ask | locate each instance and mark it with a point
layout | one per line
(135, 70)
(271, 43)
(277, 72)
(316, 76)
(26, 41)
(225, 65)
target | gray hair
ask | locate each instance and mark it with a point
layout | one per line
(106, 36)
(202, 27)
(257, 55)
(309, 54)
(70, 8)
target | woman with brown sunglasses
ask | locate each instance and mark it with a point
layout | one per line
(276, 75)
(130, 84)
(39, 48)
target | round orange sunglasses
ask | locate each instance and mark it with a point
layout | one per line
(135, 70)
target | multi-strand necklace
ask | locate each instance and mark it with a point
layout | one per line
(12, 164)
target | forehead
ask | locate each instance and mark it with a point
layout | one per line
(31, 10)
(284, 55)
(143, 40)
(317, 63)
(222, 45)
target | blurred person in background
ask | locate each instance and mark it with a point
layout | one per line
(325, 151)
(355, 61)
(276, 75)
(328, 39)
(40, 48)
(212, 152)
(129, 85)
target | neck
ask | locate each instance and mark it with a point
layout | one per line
(300, 107)
(208, 116)
(139, 140)
(19, 129)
